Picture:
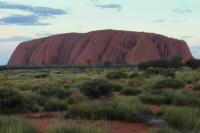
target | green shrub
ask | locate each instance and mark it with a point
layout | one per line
(182, 118)
(44, 75)
(54, 104)
(108, 63)
(16, 125)
(33, 99)
(134, 75)
(127, 109)
(77, 98)
(184, 98)
(193, 63)
(155, 98)
(164, 130)
(160, 71)
(131, 91)
(116, 75)
(97, 88)
(62, 128)
(168, 83)
(51, 91)
(11, 101)
(197, 86)
(158, 64)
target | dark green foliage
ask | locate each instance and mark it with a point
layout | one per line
(182, 118)
(193, 63)
(54, 104)
(116, 75)
(51, 91)
(108, 64)
(185, 98)
(156, 98)
(16, 125)
(34, 100)
(118, 109)
(44, 75)
(134, 75)
(97, 88)
(131, 91)
(11, 101)
(160, 71)
(169, 83)
(175, 62)
(158, 64)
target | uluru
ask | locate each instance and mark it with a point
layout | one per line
(119, 47)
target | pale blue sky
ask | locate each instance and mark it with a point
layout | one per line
(26, 19)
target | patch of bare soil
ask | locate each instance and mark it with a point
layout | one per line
(114, 126)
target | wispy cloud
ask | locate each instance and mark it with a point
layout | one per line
(15, 39)
(21, 20)
(36, 13)
(182, 11)
(159, 21)
(186, 37)
(117, 7)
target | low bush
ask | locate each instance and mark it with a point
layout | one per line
(193, 63)
(54, 104)
(160, 71)
(16, 125)
(168, 83)
(51, 91)
(11, 101)
(116, 75)
(134, 75)
(197, 86)
(97, 88)
(127, 109)
(185, 98)
(33, 99)
(130, 91)
(77, 98)
(182, 118)
(155, 98)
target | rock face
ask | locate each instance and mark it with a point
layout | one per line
(119, 47)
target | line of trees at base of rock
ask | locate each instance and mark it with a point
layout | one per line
(175, 62)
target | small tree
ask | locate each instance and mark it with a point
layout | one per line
(89, 61)
(108, 63)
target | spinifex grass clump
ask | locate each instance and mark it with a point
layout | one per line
(169, 83)
(116, 75)
(11, 101)
(16, 125)
(183, 118)
(122, 108)
(62, 128)
(97, 88)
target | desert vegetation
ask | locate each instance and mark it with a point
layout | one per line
(102, 93)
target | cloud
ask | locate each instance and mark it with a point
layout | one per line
(36, 13)
(44, 33)
(182, 11)
(40, 11)
(186, 37)
(110, 6)
(15, 39)
(21, 20)
(159, 21)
